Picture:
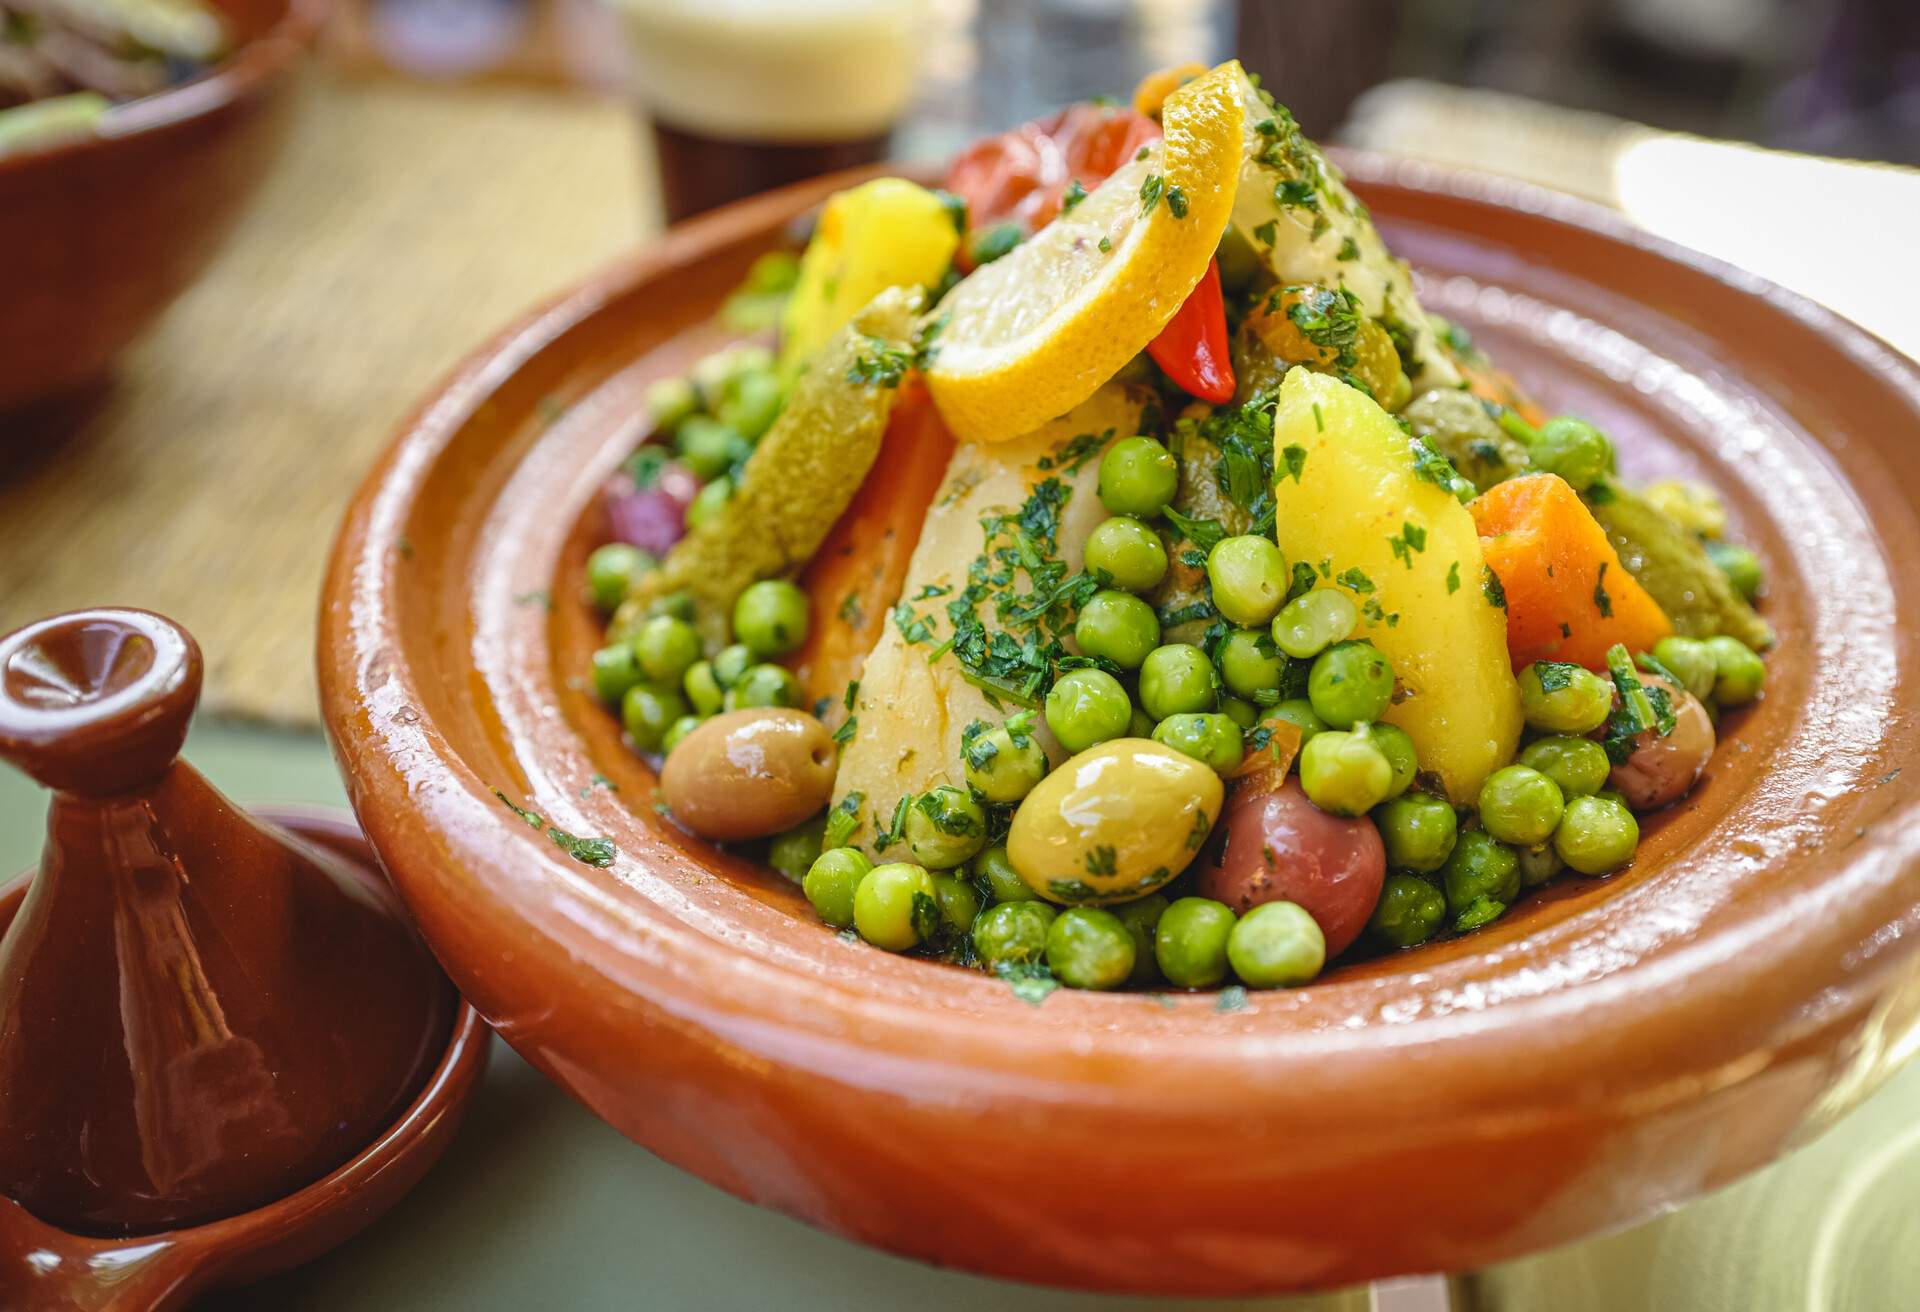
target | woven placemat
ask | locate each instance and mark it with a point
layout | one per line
(403, 225)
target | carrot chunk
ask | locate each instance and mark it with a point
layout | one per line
(1568, 598)
(856, 575)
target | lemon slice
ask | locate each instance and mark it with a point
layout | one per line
(1033, 334)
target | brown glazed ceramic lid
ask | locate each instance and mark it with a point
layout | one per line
(200, 1012)
(1606, 1049)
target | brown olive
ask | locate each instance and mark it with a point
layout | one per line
(1280, 847)
(749, 773)
(1662, 770)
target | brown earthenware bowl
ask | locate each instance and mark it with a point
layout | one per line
(1606, 1050)
(101, 234)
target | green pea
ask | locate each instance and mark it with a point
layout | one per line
(703, 689)
(1344, 772)
(1596, 835)
(1212, 739)
(1142, 919)
(1577, 766)
(959, 904)
(1013, 933)
(1249, 577)
(1689, 660)
(1139, 724)
(770, 617)
(1003, 881)
(1004, 764)
(794, 851)
(1739, 675)
(1519, 805)
(750, 402)
(1558, 697)
(1276, 945)
(679, 729)
(895, 906)
(1138, 477)
(708, 447)
(709, 502)
(666, 648)
(1481, 869)
(1088, 948)
(670, 400)
(764, 685)
(648, 711)
(615, 669)
(1538, 865)
(1299, 712)
(611, 570)
(1117, 626)
(1573, 449)
(1417, 830)
(1741, 567)
(1409, 911)
(944, 827)
(1190, 942)
(1176, 679)
(1314, 621)
(1250, 663)
(1350, 682)
(1241, 711)
(831, 881)
(1126, 553)
(731, 664)
(1482, 911)
(1398, 748)
(1086, 707)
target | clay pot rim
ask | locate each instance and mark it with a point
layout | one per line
(449, 1084)
(239, 76)
(823, 1023)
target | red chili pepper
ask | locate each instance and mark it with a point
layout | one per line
(1192, 348)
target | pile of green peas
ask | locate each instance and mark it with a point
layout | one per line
(714, 417)
(665, 687)
(1189, 942)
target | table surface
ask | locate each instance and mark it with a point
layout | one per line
(540, 1204)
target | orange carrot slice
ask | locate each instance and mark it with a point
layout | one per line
(856, 575)
(1568, 597)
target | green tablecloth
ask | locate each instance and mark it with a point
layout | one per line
(539, 1205)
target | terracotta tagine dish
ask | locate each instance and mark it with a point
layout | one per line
(223, 1049)
(1607, 1049)
(103, 232)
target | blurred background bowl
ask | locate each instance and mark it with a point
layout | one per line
(103, 233)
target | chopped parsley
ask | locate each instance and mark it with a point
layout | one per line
(1453, 578)
(1355, 579)
(1231, 998)
(1348, 251)
(1030, 981)
(843, 819)
(1431, 467)
(881, 365)
(1073, 455)
(991, 243)
(848, 728)
(1303, 580)
(1641, 708)
(1102, 860)
(896, 827)
(1554, 675)
(1410, 539)
(1106, 244)
(1267, 232)
(1328, 318)
(1601, 601)
(1177, 202)
(1205, 534)
(1294, 458)
(1150, 192)
(1074, 195)
(1491, 589)
(913, 628)
(597, 852)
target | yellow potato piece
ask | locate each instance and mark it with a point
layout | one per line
(910, 711)
(880, 234)
(1406, 551)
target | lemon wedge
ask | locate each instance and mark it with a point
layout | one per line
(1033, 334)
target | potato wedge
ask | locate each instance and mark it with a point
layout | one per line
(1353, 500)
(910, 710)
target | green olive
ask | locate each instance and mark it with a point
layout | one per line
(1114, 823)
